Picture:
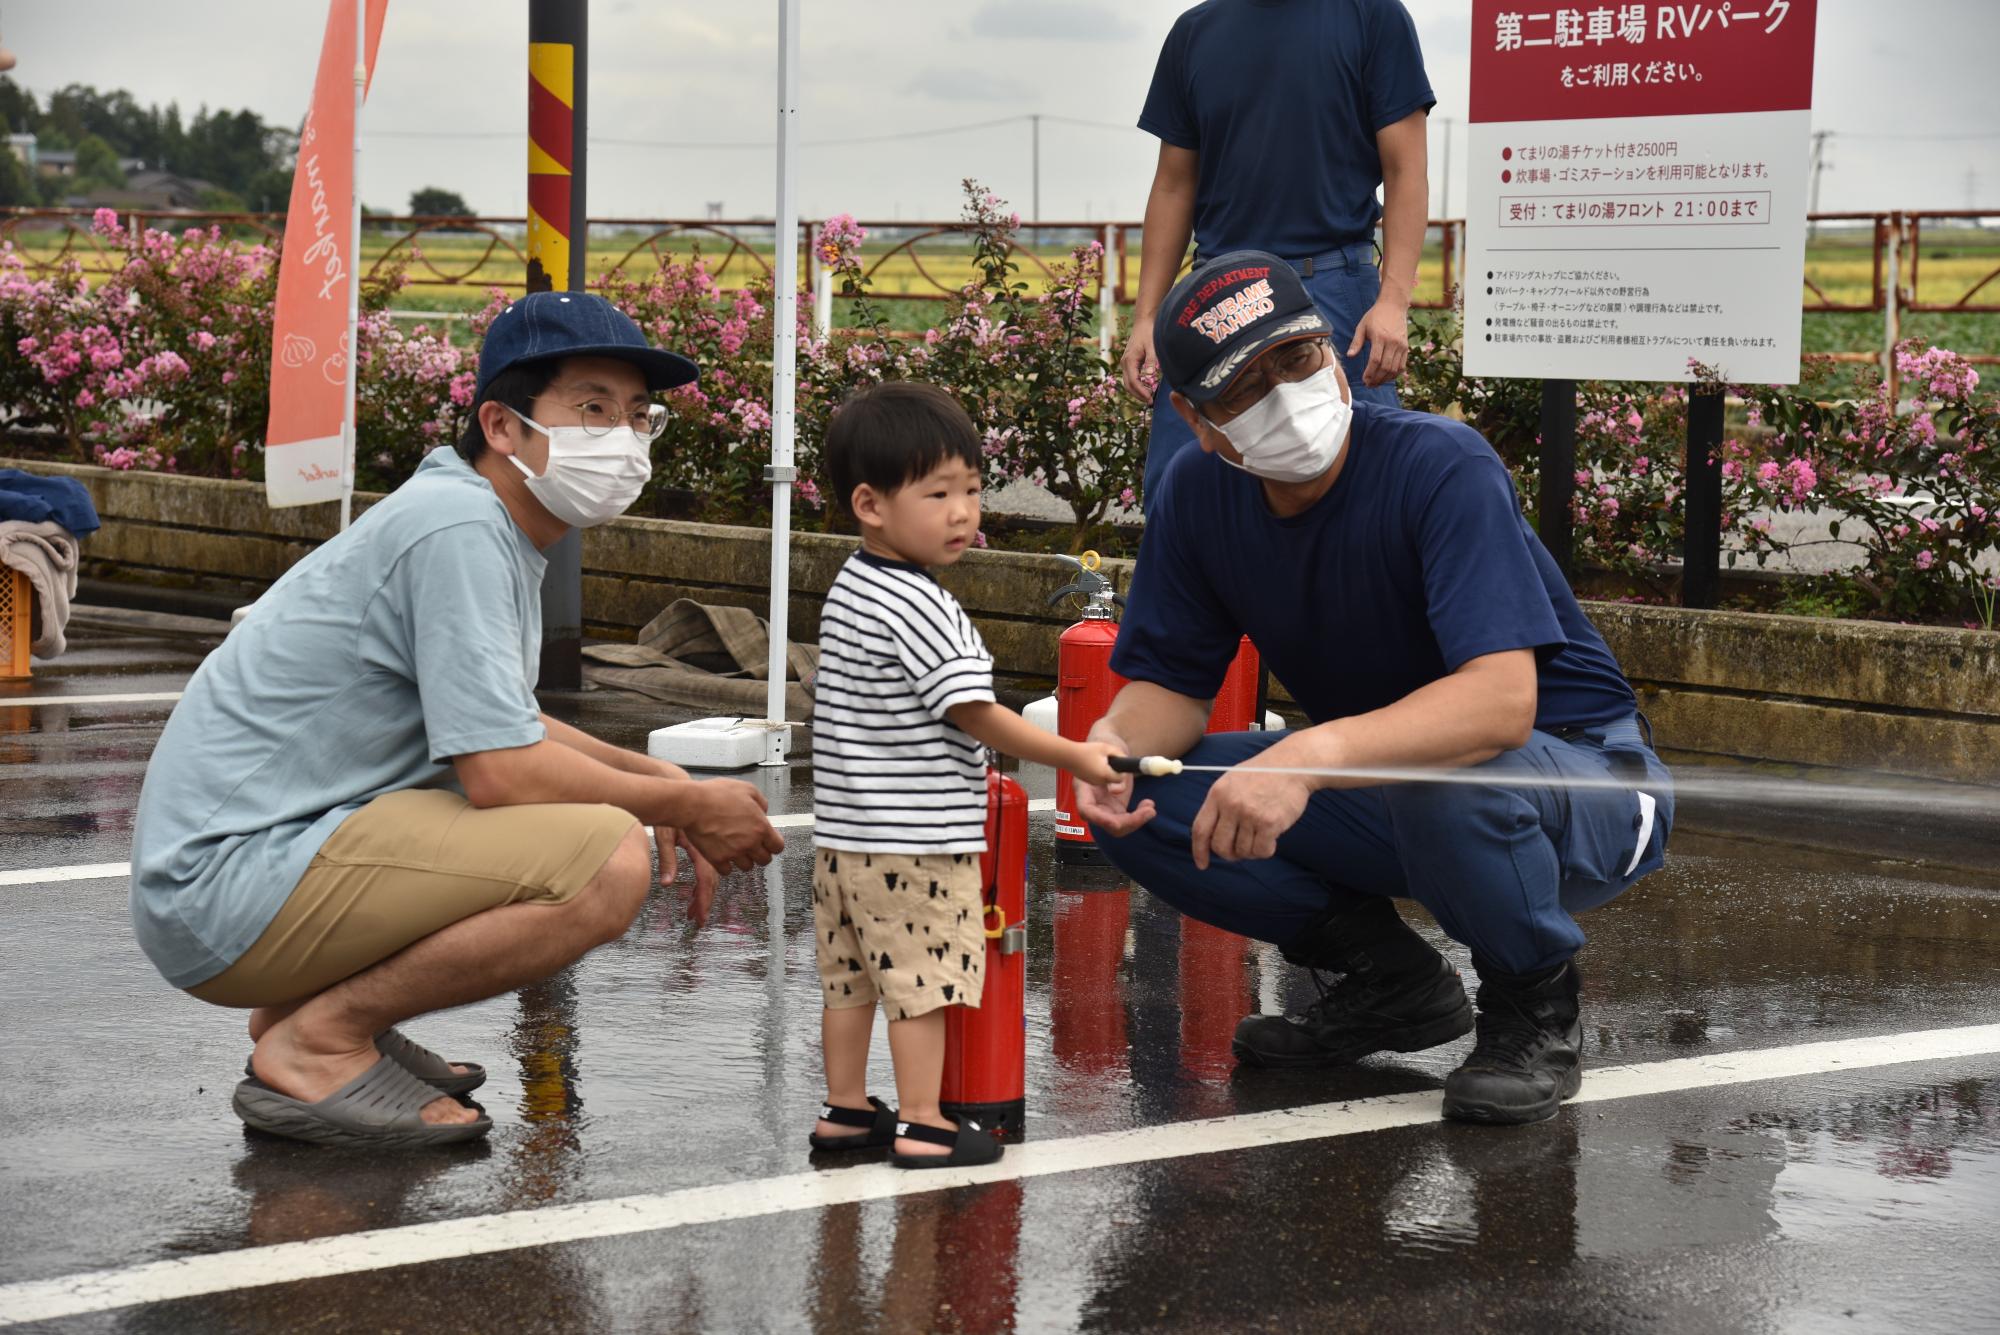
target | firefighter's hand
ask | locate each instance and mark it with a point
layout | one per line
(1245, 813)
(1385, 330)
(1108, 806)
(1139, 369)
(1090, 763)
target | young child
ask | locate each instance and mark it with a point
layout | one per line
(903, 709)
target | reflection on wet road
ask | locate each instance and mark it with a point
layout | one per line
(1862, 1199)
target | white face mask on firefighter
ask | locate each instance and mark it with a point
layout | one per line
(1295, 432)
(588, 480)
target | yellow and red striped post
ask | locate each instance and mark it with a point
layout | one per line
(556, 58)
(558, 242)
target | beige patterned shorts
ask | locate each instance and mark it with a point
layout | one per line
(902, 926)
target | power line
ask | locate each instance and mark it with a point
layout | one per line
(1095, 125)
(619, 142)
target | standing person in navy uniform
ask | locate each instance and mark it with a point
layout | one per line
(1278, 120)
(1380, 560)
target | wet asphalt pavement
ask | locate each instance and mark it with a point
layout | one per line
(1863, 1199)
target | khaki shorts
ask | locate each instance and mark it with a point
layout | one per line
(902, 926)
(406, 865)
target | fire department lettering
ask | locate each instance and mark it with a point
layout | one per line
(1230, 314)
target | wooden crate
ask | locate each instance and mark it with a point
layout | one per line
(17, 613)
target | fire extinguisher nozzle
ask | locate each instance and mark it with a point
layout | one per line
(1153, 767)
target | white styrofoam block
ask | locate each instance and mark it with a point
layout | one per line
(712, 743)
(1042, 713)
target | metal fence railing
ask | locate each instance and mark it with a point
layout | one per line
(1889, 264)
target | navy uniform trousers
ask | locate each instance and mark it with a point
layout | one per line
(1504, 869)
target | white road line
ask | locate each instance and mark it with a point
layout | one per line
(105, 871)
(137, 698)
(89, 871)
(451, 1239)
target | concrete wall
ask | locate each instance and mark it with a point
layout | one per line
(1907, 700)
(1917, 700)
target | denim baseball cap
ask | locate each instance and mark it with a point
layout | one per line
(574, 324)
(1225, 315)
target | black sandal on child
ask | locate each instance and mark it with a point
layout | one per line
(969, 1146)
(878, 1117)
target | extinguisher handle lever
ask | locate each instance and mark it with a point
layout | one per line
(1066, 591)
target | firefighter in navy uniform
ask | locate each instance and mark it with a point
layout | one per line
(1380, 561)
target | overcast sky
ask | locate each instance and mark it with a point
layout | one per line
(1906, 87)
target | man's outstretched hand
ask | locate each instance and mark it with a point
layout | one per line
(726, 825)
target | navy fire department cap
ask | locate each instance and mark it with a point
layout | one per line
(1221, 317)
(575, 324)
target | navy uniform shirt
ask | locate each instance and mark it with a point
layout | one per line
(1282, 99)
(1417, 561)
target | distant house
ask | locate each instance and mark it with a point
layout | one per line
(23, 146)
(147, 191)
(62, 161)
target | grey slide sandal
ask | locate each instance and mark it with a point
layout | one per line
(427, 1066)
(380, 1108)
(420, 1062)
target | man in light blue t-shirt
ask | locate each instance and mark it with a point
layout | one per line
(358, 814)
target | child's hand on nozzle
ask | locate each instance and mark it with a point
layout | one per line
(1091, 764)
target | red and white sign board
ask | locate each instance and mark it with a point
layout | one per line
(1638, 189)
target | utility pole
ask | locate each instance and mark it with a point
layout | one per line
(1819, 166)
(1035, 121)
(558, 238)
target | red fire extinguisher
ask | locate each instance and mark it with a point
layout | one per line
(1235, 708)
(986, 1050)
(1086, 686)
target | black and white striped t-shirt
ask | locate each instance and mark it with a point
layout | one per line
(890, 773)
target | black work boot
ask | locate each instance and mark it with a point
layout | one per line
(1529, 1056)
(1397, 995)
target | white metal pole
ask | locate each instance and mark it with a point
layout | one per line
(1107, 294)
(784, 368)
(349, 428)
(1444, 177)
(1892, 324)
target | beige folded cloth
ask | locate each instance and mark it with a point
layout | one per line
(708, 657)
(46, 553)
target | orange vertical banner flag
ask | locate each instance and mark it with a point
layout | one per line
(311, 343)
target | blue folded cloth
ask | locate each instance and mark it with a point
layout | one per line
(36, 499)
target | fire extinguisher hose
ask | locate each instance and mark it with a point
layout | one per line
(990, 893)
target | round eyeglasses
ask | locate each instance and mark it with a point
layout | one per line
(600, 417)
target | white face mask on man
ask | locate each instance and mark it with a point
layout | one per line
(1295, 432)
(588, 480)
